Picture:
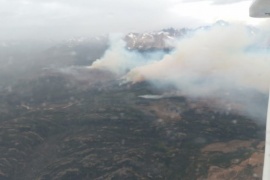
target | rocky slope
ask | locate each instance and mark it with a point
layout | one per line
(162, 40)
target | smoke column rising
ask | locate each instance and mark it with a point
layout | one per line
(230, 64)
(119, 60)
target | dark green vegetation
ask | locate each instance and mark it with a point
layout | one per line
(54, 128)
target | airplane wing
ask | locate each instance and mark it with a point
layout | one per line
(260, 9)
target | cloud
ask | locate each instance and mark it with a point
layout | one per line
(217, 1)
(60, 19)
(66, 18)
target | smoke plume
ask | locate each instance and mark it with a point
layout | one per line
(229, 64)
(120, 61)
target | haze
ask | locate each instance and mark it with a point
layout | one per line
(59, 19)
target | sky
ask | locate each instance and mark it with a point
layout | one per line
(60, 19)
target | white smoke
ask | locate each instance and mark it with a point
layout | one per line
(215, 58)
(119, 60)
(230, 64)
